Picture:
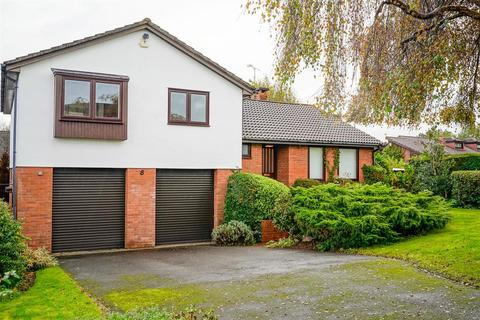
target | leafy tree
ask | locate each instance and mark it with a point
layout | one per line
(277, 91)
(417, 60)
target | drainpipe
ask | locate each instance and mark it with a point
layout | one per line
(14, 153)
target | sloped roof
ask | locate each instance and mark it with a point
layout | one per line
(268, 121)
(145, 24)
(417, 144)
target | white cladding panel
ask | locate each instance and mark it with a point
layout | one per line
(151, 143)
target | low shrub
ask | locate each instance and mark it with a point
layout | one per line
(374, 173)
(39, 259)
(283, 243)
(155, 313)
(357, 215)
(466, 188)
(306, 183)
(466, 161)
(12, 243)
(252, 198)
(233, 233)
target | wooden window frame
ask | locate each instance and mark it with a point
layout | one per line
(188, 121)
(90, 127)
(358, 163)
(322, 179)
(93, 80)
(249, 154)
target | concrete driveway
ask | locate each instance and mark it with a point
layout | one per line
(260, 283)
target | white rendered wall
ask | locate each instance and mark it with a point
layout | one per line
(151, 143)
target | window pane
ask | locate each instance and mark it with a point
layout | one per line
(348, 164)
(199, 108)
(245, 150)
(178, 109)
(106, 100)
(316, 163)
(76, 98)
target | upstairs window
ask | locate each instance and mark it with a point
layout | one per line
(188, 107)
(90, 105)
(91, 99)
(348, 164)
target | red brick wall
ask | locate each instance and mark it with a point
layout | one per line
(365, 157)
(140, 208)
(34, 205)
(283, 164)
(220, 189)
(254, 163)
(270, 233)
(298, 163)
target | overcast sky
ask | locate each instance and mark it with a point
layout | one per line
(220, 29)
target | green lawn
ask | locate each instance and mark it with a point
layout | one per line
(54, 296)
(453, 251)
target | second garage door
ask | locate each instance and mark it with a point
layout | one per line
(184, 206)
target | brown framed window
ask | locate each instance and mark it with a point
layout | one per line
(90, 105)
(246, 150)
(188, 107)
(91, 99)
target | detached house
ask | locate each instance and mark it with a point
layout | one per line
(126, 139)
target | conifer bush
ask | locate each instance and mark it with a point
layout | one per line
(358, 215)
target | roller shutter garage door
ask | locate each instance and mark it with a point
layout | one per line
(88, 209)
(184, 206)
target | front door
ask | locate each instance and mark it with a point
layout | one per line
(268, 161)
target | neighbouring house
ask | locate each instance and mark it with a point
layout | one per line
(413, 145)
(126, 139)
(289, 141)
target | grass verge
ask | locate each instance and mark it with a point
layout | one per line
(453, 252)
(54, 296)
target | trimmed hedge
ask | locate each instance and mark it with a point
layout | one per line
(306, 183)
(466, 188)
(357, 215)
(468, 161)
(252, 198)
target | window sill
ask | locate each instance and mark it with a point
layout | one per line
(189, 124)
(89, 120)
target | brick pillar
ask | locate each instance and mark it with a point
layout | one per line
(140, 208)
(298, 163)
(220, 190)
(329, 159)
(283, 164)
(34, 205)
(365, 157)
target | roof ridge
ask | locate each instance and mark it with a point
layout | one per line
(281, 102)
(152, 27)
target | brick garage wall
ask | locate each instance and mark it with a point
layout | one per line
(34, 205)
(220, 190)
(365, 157)
(283, 164)
(140, 208)
(254, 163)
